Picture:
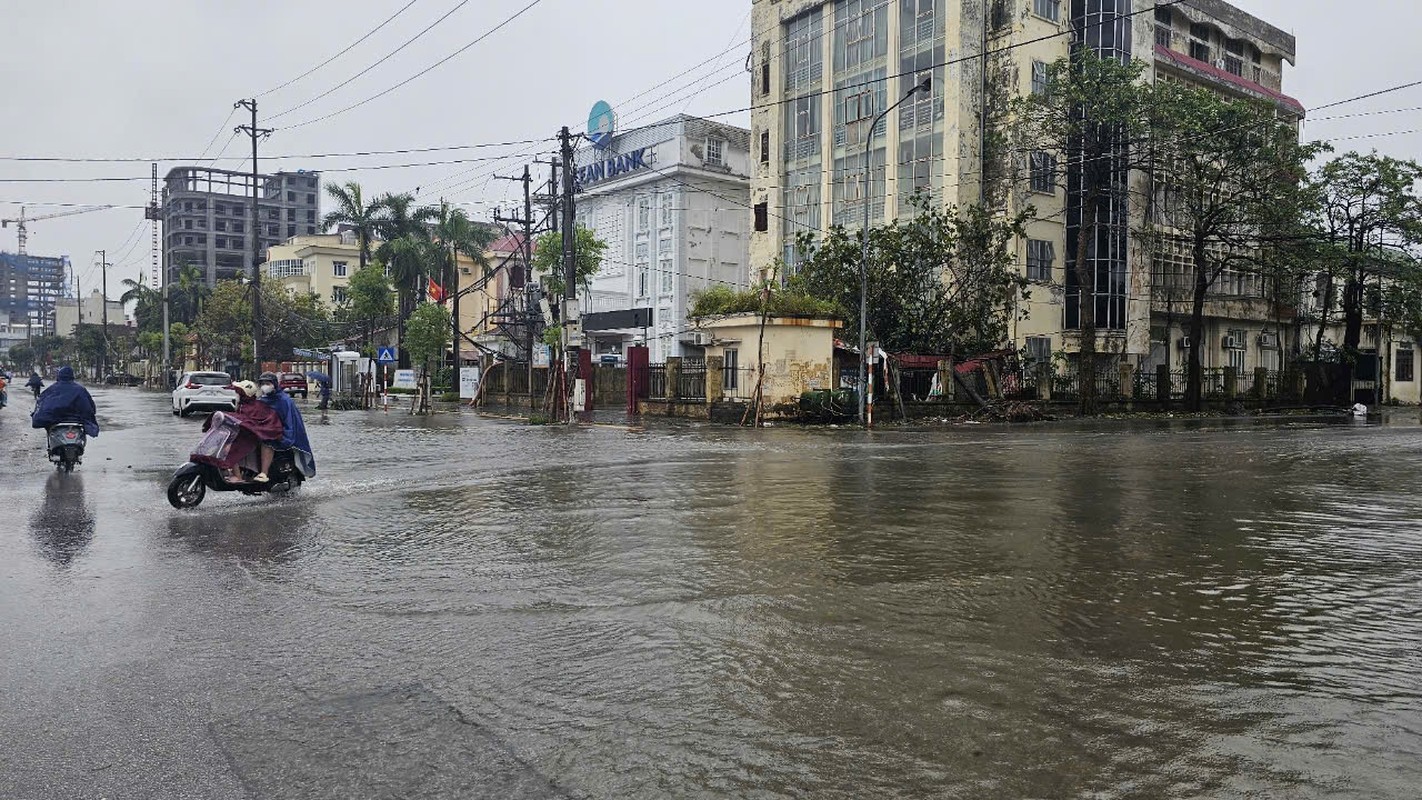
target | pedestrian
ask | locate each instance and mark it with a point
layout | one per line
(35, 383)
(325, 390)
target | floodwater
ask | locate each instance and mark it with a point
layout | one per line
(469, 607)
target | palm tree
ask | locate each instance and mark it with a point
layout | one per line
(192, 290)
(352, 210)
(147, 304)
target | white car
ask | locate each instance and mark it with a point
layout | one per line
(204, 391)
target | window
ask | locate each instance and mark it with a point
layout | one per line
(1039, 349)
(644, 214)
(667, 201)
(291, 197)
(1405, 363)
(222, 242)
(290, 230)
(238, 209)
(311, 215)
(1040, 257)
(310, 199)
(1200, 42)
(762, 217)
(642, 268)
(237, 227)
(219, 225)
(187, 224)
(1039, 78)
(219, 208)
(291, 215)
(731, 369)
(665, 267)
(1236, 353)
(1234, 57)
(803, 61)
(273, 213)
(338, 294)
(338, 269)
(765, 147)
(1048, 9)
(1043, 172)
(713, 152)
(765, 68)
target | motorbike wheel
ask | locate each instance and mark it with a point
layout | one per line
(186, 491)
(66, 466)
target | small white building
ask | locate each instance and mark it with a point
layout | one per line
(69, 312)
(672, 202)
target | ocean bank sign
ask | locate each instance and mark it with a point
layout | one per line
(612, 167)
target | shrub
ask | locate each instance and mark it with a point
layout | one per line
(720, 301)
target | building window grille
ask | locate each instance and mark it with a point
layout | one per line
(667, 201)
(1406, 363)
(666, 271)
(714, 154)
(644, 214)
(1043, 172)
(1040, 257)
(803, 61)
(1039, 78)
(1200, 42)
(1047, 9)
(731, 369)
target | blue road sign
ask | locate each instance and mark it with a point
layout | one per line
(385, 355)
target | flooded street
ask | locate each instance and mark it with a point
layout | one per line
(470, 607)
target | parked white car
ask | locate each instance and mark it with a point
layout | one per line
(203, 391)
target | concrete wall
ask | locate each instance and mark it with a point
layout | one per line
(799, 353)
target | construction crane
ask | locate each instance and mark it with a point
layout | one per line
(23, 234)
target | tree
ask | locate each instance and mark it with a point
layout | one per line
(351, 210)
(1367, 217)
(224, 329)
(1093, 108)
(943, 282)
(548, 258)
(426, 335)
(369, 298)
(187, 294)
(1227, 179)
(147, 304)
(22, 356)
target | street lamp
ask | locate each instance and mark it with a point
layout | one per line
(922, 86)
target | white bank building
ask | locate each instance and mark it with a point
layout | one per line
(672, 202)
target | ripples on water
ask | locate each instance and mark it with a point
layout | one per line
(1045, 612)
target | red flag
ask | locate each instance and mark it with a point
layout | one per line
(436, 291)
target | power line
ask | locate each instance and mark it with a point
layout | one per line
(352, 46)
(422, 72)
(383, 59)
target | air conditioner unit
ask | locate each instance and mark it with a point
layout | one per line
(699, 338)
(1233, 343)
(1269, 340)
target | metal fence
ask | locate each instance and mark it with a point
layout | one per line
(738, 383)
(916, 384)
(691, 381)
(657, 381)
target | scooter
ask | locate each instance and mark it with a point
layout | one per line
(66, 445)
(192, 481)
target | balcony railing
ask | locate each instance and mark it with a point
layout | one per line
(285, 268)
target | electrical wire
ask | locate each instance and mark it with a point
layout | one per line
(352, 154)
(419, 74)
(349, 48)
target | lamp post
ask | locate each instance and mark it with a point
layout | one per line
(922, 86)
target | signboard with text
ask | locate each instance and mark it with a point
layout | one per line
(468, 383)
(404, 379)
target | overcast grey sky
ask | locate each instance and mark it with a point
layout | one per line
(157, 78)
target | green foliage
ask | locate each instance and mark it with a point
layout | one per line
(22, 356)
(224, 328)
(548, 258)
(427, 332)
(369, 298)
(150, 343)
(779, 301)
(147, 304)
(940, 282)
(553, 336)
(352, 210)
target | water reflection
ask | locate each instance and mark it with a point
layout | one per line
(63, 525)
(259, 531)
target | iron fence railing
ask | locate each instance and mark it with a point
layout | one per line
(916, 384)
(657, 381)
(691, 381)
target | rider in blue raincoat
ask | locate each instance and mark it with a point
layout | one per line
(66, 401)
(293, 428)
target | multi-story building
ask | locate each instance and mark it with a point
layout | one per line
(70, 312)
(669, 199)
(207, 216)
(319, 264)
(822, 70)
(493, 309)
(29, 288)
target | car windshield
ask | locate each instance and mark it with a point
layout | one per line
(210, 378)
(291, 376)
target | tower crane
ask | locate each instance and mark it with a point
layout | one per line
(23, 234)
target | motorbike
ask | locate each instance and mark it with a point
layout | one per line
(66, 445)
(192, 481)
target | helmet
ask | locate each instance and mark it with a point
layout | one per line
(269, 377)
(247, 387)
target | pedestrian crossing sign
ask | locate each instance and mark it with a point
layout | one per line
(385, 355)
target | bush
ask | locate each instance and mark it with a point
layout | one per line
(393, 390)
(449, 397)
(720, 301)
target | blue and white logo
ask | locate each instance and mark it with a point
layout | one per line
(385, 355)
(601, 124)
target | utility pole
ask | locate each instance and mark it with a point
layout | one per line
(571, 319)
(256, 134)
(103, 314)
(527, 256)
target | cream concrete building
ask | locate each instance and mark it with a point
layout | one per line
(320, 264)
(69, 312)
(823, 69)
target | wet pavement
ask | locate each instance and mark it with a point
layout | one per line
(461, 607)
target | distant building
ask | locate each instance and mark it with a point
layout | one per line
(207, 215)
(672, 202)
(493, 308)
(69, 312)
(29, 287)
(320, 264)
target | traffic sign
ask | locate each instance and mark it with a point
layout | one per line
(385, 355)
